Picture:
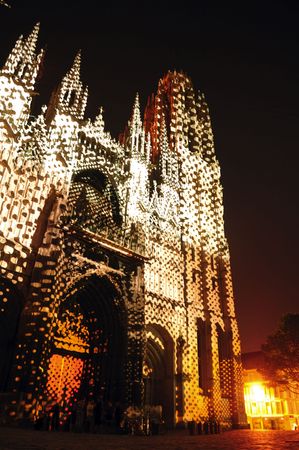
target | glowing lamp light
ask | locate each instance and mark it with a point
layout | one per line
(257, 393)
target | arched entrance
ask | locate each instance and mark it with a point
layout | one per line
(10, 310)
(158, 372)
(89, 349)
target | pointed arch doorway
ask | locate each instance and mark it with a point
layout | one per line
(158, 372)
(89, 349)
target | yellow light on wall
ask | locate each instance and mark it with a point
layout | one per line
(257, 393)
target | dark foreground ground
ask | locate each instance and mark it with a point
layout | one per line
(21, 439)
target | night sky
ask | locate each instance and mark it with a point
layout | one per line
(244, 56)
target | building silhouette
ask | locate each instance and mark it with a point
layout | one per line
(115, 270)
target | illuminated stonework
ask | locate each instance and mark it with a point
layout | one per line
(115, 271)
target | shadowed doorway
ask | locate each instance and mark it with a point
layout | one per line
(89, 350)
(11, 303)
(158, 372)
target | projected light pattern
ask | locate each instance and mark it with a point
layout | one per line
(114, 263)
(64, 379)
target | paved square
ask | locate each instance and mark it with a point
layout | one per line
(20, 439)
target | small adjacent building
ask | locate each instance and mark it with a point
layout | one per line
(268, 406)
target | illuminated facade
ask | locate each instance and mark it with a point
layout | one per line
(268, 406)
(115, 271)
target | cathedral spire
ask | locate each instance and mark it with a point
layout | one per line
(134, 135)
(71, 97)
(23, 63)
(74, 71)
(136, 116)
(30, 42)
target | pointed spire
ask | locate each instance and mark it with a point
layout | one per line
(99, 121)
(133, 134)
(31, 41)
(136, 116)
(23, 63)
(72, 95)
(16, 51)
(74, 71)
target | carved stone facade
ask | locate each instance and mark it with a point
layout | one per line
(115, 270)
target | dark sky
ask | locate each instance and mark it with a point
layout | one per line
(244, 56)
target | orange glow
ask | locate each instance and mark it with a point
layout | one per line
(267, 406)
(64, 377)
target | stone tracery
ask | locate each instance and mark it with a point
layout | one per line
(143, 218)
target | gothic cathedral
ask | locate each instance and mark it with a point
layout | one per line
(115, 278)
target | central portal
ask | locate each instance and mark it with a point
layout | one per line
(89, 351)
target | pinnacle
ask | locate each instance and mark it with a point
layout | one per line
(99, 121)
(99, 116)
(77, 60)
(136, 116)
(30, 42)
(137, 103)
(75, 69)
(23, 55)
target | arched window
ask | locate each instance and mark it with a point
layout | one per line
(72, 98)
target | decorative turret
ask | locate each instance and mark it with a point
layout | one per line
(99, 123)
(135, 122)
(23, 63)
(134, 136)
(71, 96)
(138, 148)
(17, 79)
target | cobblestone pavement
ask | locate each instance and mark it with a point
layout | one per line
(20, 439)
